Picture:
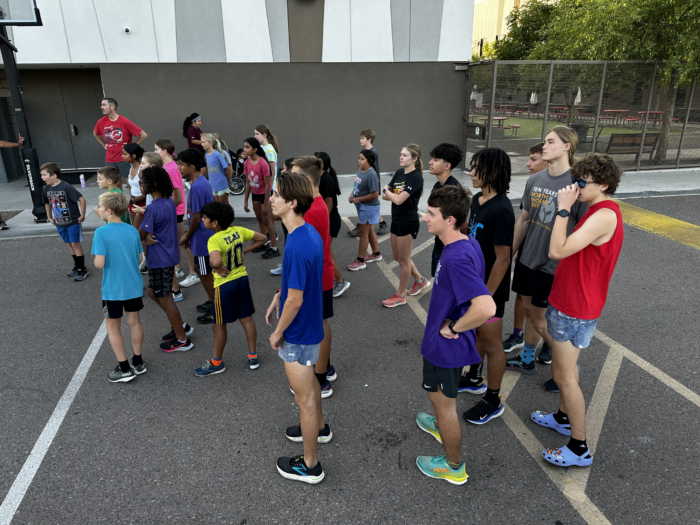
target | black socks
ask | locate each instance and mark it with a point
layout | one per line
(137, 360)
(321, 379)
(124, 365)
(492, 397)
(361, 259)
(376, 253)
(561, 418)
(577, 447)
(75, 261)
(80, 262)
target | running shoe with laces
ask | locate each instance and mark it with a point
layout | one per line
(356, 266)
(426, 423)
(117, 376)
(178, 296)
(545, 355)
(190, 280)
(514, 342)
(171, 334)
(473, 387)
(394, 301)
(205, 319)
(517, 365)
(339, 288)
(81, 275)
(263, 248)
(179, 274)
(204, 307)
(330, 373)
(419, 287)
(483, 412)
(437, 467)
(355, 232)
(73, 272)
(271, 253)
(373, 258)
(139, 369)
(294, 434)
(4, 226)
(176, 346)
(253, 363)
(277, 270)
(209, 369)
(382, 228)
(295, 469)
(326, 390)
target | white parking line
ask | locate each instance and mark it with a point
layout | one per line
(31, 465)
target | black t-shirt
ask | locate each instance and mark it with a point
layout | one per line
(411, 182)
(63, 200)
(327, 190)
(451, 181)
(492, 224)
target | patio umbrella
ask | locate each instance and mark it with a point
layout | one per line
(577, 100)
(533, 98)
(473, 95)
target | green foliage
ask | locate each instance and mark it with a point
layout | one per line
(526, 30)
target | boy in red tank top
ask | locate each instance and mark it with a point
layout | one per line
(587, 260)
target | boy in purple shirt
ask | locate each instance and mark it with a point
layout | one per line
(190, 162)
(460, 302)
(159, 229)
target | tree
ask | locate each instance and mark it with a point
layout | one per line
(526, 29)
(646, 30)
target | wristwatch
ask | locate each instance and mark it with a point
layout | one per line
(563, 213)
(451, 327)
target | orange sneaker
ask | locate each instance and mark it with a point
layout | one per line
(394, 300)
(419, 287)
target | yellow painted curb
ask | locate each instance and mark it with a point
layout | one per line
(662, 225)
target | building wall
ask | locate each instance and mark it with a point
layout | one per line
(490, 20)
(239, 31)
(309, 107)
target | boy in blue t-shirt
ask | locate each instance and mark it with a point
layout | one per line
(159, 230)
(298, 336)
(190, 162)
(460, 303)
(117, 249)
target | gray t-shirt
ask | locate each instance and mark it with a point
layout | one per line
(366, 183)
(540, 201)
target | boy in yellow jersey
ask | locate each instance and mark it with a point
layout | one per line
(232, 299)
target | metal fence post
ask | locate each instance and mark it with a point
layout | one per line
(489, 125)
(600, 104)
(549, 94)
(685, 123)
(646, 116)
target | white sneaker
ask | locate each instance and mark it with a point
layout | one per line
(191, 280)
(142, 264)
(277, 270)
(339, 288)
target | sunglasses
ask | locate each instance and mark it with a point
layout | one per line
(581, 183)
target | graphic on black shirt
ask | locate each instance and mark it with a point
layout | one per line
(62, 199)
(412, 183)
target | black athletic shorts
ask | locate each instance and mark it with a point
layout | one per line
(258, 197)
(500, 309)
(335, 222)
(115, 309)
(401, 229)
(180, 218)
(446, 378)
(201, 265)
(328, 304)
(232, 301)
(161, 280)
(517, 276)
(535, 284)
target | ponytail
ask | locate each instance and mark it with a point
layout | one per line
(188, 122)
(326, 159)
(415, 151)
(262, 128)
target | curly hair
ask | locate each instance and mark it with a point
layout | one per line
(602, 170)
(156, 179)
(492, 166)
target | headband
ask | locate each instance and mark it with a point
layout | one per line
(196, 119)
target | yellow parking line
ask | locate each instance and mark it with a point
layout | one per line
(662, 225)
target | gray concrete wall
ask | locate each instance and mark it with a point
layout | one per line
(309, 107)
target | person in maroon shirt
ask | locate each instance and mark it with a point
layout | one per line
(588, 257)
(114, 131)
(318, 217)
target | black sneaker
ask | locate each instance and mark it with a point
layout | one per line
(355, 232)
(513, 342)
(117, 376)
(467, 385)
(206, 319)
(551, 386)
(176, 346)
(144, 270)
(382, 229)
(73, 272)
(171, 334)
(204, 307)
(139, 369)
(483, 412)
(81, 275)
(294, 434)
(4, 226)
(263, 248)
(295, 468)
(545, 354)
(517, 364)
(271, 253)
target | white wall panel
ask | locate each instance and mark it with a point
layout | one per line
(456, 31)
(166, 30)
(246, 31)
(45, 44)
(82, 31)
(370, 22)
(337, 39)
(139, 45)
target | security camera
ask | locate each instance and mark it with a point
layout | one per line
(127, 30)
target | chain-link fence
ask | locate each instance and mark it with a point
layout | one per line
(624, 109)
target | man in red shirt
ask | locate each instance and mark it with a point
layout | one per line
(114, 131)
(587, 260)
(317, 216)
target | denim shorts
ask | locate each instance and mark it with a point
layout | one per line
(564, 328)
(305, 355)
(367, 214)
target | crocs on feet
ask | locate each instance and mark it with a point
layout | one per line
(547, 420)
(563, 457)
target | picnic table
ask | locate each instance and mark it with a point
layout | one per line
(617, 113)
(654, 116)
(495, 119)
